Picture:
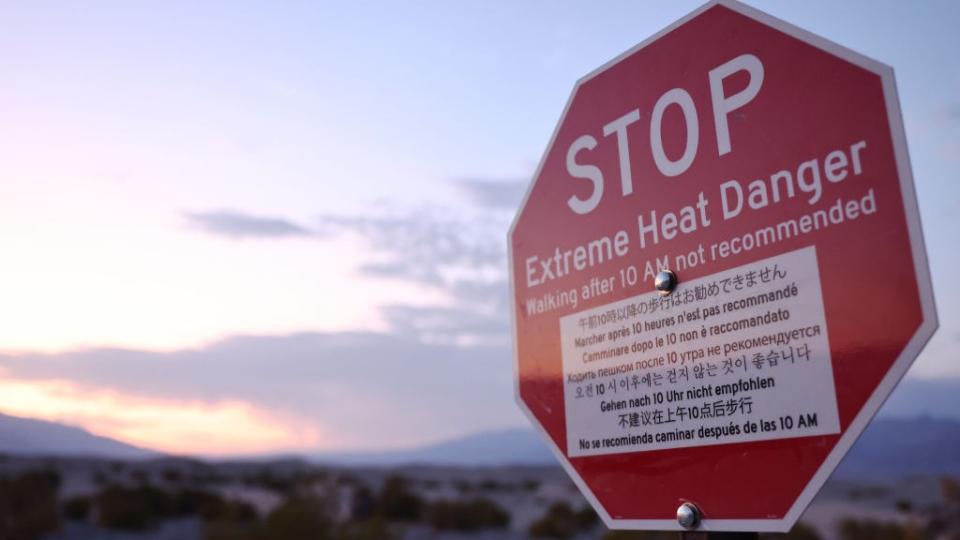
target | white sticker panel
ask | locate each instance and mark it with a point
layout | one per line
(737, 356)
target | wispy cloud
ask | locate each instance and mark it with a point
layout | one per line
(462, 256)
(457, 325)
(429, 246)
(495, 194)
(953, 112)
(235, 224)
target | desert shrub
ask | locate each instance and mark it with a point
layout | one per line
(347, 479)
(233, 531)
(490, 484)
(467, 516)
(560, 521)
(944, 522)
(587, 517)
(28, 505)
(171, 475)
(904, 505)
(397, 503)
(100, 479)
(639, 535)
(49, 477)
(950, 489)
(800, 531)
(374, 529)
(77, 508)
(195, 502)
(233, 520)
(208, 477)
(139, 476)
(143, 507)
(232, 511)
(868, 529)
(132, 509)
(868, 492)
(363, 504)
(272, 482)
(210, 507)
(300, 518)
(297, 518)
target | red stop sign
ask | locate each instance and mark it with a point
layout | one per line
(767, 169)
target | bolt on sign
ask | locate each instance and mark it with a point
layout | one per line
(766, 169)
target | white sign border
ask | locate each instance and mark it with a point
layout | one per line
(897, 370)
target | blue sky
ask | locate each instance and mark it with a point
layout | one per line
(197, 198)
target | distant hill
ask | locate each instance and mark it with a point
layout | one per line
(906, 438)
(915, 397)
(889, 448)
(892, 448)
(520, 446)
(25, 436)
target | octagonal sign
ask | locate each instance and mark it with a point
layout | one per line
(767, 169)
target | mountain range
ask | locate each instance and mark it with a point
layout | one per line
(27, 436)
(889, 448)
(904, 439)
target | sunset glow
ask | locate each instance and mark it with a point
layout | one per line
(230, 427)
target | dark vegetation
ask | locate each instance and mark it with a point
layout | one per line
(800, 531)
(467, 516)
(143, 507)
(398, 503)
(314, 504)
(639, 535)
(309, 503)
(371, 515)
(302, 517)
(77, 508)
(854, 529)
(28, 505)
(561, 521)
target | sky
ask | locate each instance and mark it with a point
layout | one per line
(238, 227)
